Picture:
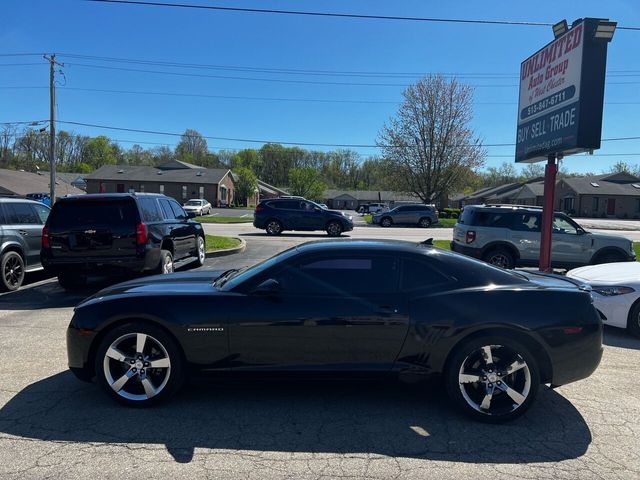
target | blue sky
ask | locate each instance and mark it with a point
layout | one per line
(294, 42)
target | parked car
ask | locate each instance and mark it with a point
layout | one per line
(43, 198)
(418, 214)
(509, 236)
(362, 209)
(197, 206)
(118, 233)
(280, 214)
(616, 292)
(21, 223)
(342, 308)
(377, 208)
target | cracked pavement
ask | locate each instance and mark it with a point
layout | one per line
(54, 426)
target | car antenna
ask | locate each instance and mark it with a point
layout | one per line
(428, 241)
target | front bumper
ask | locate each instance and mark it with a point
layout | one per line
(78, 347)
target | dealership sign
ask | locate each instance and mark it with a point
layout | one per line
(561, 96)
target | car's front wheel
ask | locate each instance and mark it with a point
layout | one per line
(492, 379)
(334, 229)
(386, 222)
(12, 269)
(633, 322)
(138, 365)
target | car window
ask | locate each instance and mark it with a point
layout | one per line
(494, 219)
(42, 212)
(354, 275)
(418, 274)
(3, 220)
(562, 225)
(150, 211)
(79, 214)
(288, 204)
(21, 214)
(166, 209)
(527, 222)
(307, 206)
(178, 212)
(402, 209)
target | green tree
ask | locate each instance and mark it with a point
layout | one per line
(246, 184)
(98, 151)
(306, 182)
(192, 147)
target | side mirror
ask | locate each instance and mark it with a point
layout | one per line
(191, 214)
(580, 231)
(267, 288)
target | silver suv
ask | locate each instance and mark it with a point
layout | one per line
(418, 214)
(21, 223)
(509, 236)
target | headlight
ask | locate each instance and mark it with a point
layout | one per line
(613, 291)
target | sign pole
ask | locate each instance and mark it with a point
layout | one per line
(550, 172)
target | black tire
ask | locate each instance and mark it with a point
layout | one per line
(72, 281)
(633, 321)
(11, 271)
(610, 257)
(165, 265)
(500, 257)
(386, 222)
(334, 229)
(424, 222)
(510, 394)
(273, 227)
(201, 251)
(158, 347)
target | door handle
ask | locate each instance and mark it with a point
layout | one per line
(23, 232)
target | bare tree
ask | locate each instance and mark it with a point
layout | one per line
(7, 135)
(430, 142)
(192, 146)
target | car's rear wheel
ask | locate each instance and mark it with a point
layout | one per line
(386, 222)
(500, 257)
(334, 229)
(138, 365)
(273, 227)
(492, 379)
(201, 252)
(72, 281)
(425, 222)
(165, 266)
(633, 322)
(12, 268)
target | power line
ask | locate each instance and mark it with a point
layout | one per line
(20, 64)
(334, 14)
(310, 144)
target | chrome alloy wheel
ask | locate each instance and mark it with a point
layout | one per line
(273, 227)
(167, 265)
(499, 260)
(494, 380)
(201, 250)
(137, 366)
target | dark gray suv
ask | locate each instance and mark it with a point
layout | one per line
(21, 223)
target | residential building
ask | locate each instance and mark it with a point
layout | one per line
(19, 183)
(352, 199)
(180, 180)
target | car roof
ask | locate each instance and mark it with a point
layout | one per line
(110, 196)
(505, 207)
(19, 200)
(372, 244)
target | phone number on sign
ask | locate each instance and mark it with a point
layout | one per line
(548, 102)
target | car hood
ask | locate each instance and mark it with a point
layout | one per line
(608, 273)
(183, 282)
(606, 239)
(552, 280)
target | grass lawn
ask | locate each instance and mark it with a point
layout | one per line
(219, 219)
(215, 242)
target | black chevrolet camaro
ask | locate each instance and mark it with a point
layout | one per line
(337, 308)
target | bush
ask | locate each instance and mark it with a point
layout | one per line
(449, 213)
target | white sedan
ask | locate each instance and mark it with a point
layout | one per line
(616, 292)
(197, 206)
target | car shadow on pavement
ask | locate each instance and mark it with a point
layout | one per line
(618, 337)
(389, 419)
(293, 235)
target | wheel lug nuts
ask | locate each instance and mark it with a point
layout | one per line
(491, 385)
(499, 382)
(132, 362)
(133, 369)
(142, 372)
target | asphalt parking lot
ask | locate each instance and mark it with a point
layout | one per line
(53, 426)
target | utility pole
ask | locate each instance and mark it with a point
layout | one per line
(52, 125)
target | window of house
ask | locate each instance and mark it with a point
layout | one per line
(161, 189)
(595, 203)
(568, 204)
(103, 187)
(223, 193)
(201, 192)
(184, 192)
(141, 188)
(120, 188)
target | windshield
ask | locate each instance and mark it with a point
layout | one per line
(236, 277)
(196, 203)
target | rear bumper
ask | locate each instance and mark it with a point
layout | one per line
(97, 265)
(468, 251)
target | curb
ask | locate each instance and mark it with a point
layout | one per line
(228, 251)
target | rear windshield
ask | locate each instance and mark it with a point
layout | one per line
(92, 213)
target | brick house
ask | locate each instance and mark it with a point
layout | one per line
(180, 180)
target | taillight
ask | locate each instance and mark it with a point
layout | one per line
(259, 208)
(471, 236)
(141, 234)
(45, 238)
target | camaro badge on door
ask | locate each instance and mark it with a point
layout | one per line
(205, 329)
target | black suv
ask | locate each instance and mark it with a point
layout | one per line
(117, 233)
(280, 214)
